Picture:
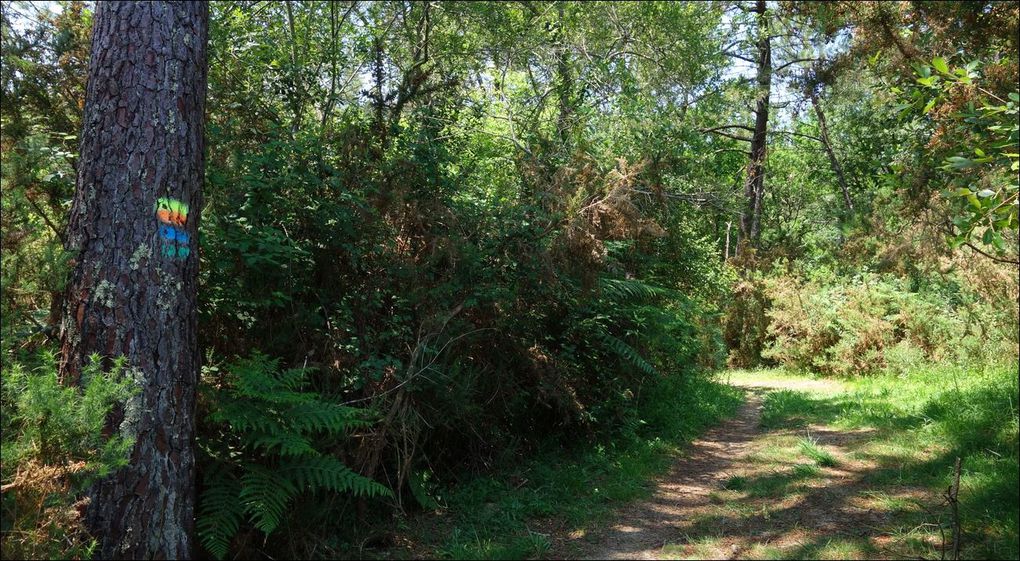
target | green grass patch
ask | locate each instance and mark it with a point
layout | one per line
(784, 409)
(822, 457)
(806, 470)
(735, 483)
(917, 424)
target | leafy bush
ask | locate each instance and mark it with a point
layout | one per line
(54, 446)
(873, 323)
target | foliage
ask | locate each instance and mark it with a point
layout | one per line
(55, 443)
(879, 322)
(501, 228)
(986, 140)
(264, 443)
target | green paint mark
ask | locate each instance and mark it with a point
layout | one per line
(173, 205)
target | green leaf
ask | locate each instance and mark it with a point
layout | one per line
(940, 64)
(959, 162)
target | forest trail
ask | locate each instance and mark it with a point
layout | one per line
(715, 502)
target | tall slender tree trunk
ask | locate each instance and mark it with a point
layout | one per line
(566, 80)
(833, 160)
(132, 293)
(754, 185)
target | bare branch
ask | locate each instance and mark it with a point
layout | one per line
(719, 132)
(794, 61)
(992, 257)
(741, 57)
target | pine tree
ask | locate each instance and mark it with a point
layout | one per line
(132, 290)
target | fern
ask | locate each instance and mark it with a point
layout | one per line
(267, 450)
(627, 353)
(631, 290)
(220, 513)
(313, 415)
(328, 473)
(285, 444)
(265, 494)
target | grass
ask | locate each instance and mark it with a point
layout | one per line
(736, 483)
(810, 448)
(900, 436)
(915, 425)
(806, 470)
(499, 515)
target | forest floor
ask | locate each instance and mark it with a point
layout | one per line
(803, 468)
(731, 495)
(785, 478)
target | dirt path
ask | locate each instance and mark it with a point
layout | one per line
(693, 514)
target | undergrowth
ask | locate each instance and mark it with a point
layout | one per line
(54, 446)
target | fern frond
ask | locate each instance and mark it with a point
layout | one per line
(265, 494)
(283, 443)
(313, 415)
(219, 513)
(240, 416)
(628, 354)
(626, 290)
(292, 378)
(326, 472)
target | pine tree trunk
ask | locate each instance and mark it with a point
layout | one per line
(754, 185)
(133, 229)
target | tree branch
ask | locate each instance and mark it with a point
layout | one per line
(992, 257)
(716, 130)
(741, 57)
(791, 133)
(794, 61)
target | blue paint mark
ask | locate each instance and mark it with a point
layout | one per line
(171, 233)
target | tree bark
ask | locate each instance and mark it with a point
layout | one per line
(833, 160)
(754, 185)
(132, 293)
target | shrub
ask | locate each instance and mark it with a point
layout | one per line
(54, 446)
(873, 323)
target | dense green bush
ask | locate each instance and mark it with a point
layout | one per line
(54, 445)
(880, 322)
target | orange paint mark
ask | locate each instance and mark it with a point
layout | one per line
(169, 217)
